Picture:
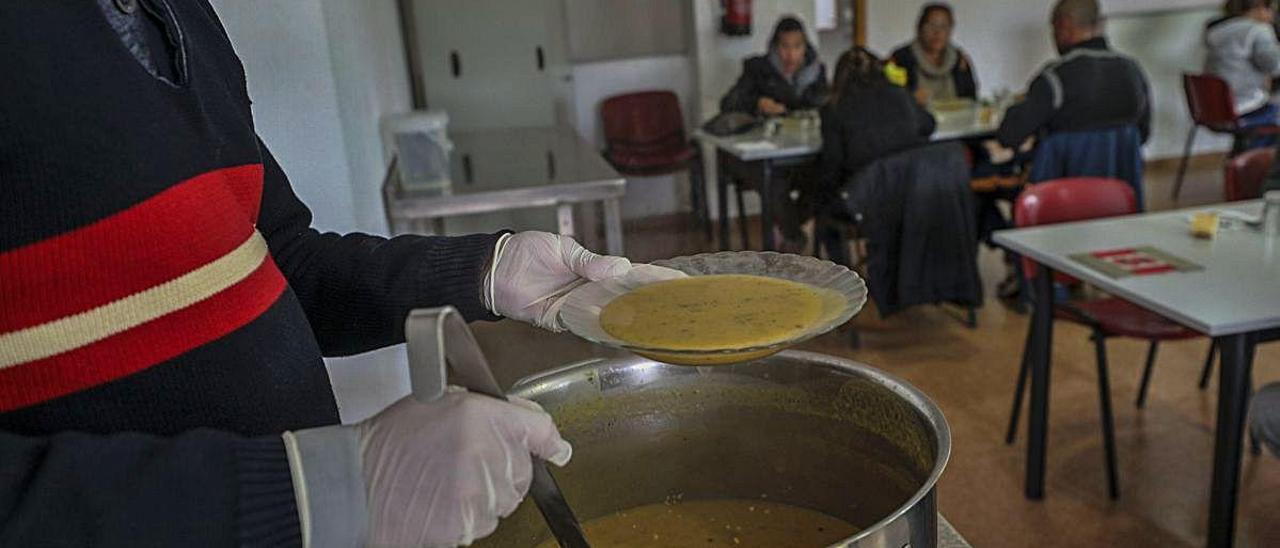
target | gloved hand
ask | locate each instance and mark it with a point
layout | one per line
(532, 272)
(435, 474)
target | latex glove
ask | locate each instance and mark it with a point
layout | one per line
(532, 272)
(434, 474)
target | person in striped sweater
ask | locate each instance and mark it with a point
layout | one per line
(165, 305)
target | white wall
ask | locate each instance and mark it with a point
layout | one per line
(1010, 41)
(285, 52)
(368, 63)
(321, 74)
(1168, 44)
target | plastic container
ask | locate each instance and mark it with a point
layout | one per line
(420, 142)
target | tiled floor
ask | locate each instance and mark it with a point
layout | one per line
(1165, 450)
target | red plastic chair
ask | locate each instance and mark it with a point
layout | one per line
(645, 135)
(1211, 105)
(1244, 174)
(1079, 199)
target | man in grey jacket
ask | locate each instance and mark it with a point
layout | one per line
(1243, 50)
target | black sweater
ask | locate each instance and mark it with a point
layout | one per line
(162, 291)
(866, 124)
(1089, 87)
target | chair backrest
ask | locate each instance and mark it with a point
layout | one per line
(1245, 173)
(1066, 200)
(1112, 153)
(643, 119)
(1210, 102)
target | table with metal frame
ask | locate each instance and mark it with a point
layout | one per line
(1235, 299)
(512, 168)
(753, 155)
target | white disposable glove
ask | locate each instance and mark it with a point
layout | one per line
(532, 272)
(435, 474)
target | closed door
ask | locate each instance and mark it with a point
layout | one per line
(493, 63)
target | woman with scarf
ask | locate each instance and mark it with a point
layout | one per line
(936, 68)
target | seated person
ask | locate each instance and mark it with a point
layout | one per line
(1243, 50)
(1090, 87)
(915, 196)
(936, 68)
(788, 77)
(866, 118)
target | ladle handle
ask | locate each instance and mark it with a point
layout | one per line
(438, 338)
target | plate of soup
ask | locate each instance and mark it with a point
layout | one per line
(729, 307)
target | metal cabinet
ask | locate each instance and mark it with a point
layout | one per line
(493, 63)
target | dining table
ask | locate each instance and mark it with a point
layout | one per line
(1232, 295)
(760, 154)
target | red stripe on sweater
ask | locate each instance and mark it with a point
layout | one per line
(170, 234)
(143, 346)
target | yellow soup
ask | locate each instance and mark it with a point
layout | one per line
(713, 313)
(735, 523)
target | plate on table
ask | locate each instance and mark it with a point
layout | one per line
(732, 307)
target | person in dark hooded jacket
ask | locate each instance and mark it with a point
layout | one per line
(788, 77)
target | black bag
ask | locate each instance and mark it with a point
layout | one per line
(731, 123)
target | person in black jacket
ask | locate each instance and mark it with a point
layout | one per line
(936, 68)
(788, 77)
(1089, 87)
(866, 118)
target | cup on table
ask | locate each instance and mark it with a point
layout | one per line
(1204, 224)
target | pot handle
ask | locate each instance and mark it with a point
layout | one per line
(426, 331)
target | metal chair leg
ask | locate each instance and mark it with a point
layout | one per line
(1108, 421)
(1019, 392)
(1255, 447)
(698, 196)
(742, 217)
(1208, 364)
(1182, 165)
(1146, 375)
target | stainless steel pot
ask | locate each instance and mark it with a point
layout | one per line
(798, 428)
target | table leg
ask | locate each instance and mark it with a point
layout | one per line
(1038, 416)
(722, 201)
(1233, 386)
(564, 219)
(613, 227)
(766, 207)
(437, 226)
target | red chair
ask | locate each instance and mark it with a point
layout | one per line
(1079, 199)
(645, 135)
(1245, 174)
(1211, 104)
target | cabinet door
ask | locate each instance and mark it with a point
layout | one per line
(492, 63)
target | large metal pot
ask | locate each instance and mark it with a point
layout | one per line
(798, 428)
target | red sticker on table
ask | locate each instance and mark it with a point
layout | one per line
(1135, 262)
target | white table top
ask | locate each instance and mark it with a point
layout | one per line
(786, 143)
(1238, 290)
(513, 168)
(753, 145)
